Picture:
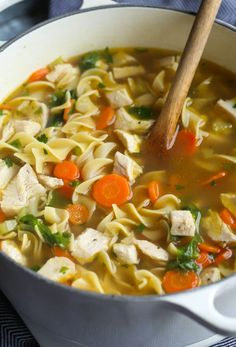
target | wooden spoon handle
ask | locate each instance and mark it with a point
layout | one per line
(165, 127)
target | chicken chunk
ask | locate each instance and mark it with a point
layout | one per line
(128, 71)
(11, 249)
(50, 182)
(217, 230)
(125, 121)
(126, 254)
(64, 76)
(19, 191)
(88, 244)
(27, 126)
(119, 98)
(228, 107)
(58, 269)
(210, 275)
(152, 251)
(182, 223)
(125, 166)
(6, 173)
(131, 142)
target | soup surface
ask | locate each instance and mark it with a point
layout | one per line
(80, 202)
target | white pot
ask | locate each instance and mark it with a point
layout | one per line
(61, 316)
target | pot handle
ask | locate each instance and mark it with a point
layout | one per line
(200, 305)
(91, 3)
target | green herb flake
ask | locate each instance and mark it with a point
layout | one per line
(213, 183)
(45, 151)
(74, 184)
(101, 85)
(63, 270)
(35, 268)
(58, 239)
(57, 99)
(141, 112)
(16, 143)
(186, 256)
(107, 55)
(73, 94)
(179, 187)
(8, 161)
(234, 106)
(89, 60)
(42, 138)
(55, 120)
(140, 228)
(1, 112)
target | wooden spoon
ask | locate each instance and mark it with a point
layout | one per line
(164, 131)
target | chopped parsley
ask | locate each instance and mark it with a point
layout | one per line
(140, 228)
(63, 269)
(35, 268)
(57, 99)
(141, 112)
(45, 151)
(73, 94)
(107, 56)
(8, 161)
(59, 239)
(1, 112)
(55, 120)
(234, 106)
(75, 183)
(89, 61)
(101, 85)
(42, 138)
(213, 183)
(16, 143)
(186, 256)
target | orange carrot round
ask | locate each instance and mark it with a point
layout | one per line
(203, 259)
(67, 111)
(214, 178)
(153, 191)
(185, 143)
(3, 217)
(204, 247)
(67, 170)
(38, 75)
(106, 117)
(78, 214)
(224, 255)
(175, 281)
(227, 218)
(111, 189)
(59, 252)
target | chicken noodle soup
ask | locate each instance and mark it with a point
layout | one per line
(82, 205)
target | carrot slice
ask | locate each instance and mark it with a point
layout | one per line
(175, 281)
(67, 170)
(204, 247)
(153, 191)
(111, 189)
(59, 252)
(78, 214)
(224, 255)
(203, 259)
(6, 107)
(214, 178)
(106, 117)
(67, 110)
(38, 74)
(185, 143)
(228, 218)
(67, 190)
(3, 217)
